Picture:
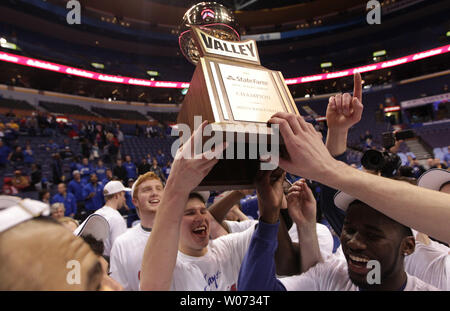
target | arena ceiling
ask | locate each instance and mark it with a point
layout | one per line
(252, 13)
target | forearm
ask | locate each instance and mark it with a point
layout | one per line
(334, 215)
(308, 246)
(286, 255)
(258, 267)
(336, 141)
(419, 208)
(268, 214)
(161, 250)
(220, 209)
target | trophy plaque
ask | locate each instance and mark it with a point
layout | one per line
(235, 94)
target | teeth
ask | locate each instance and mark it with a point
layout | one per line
(154, 201)
(200, 229)
(358, 259)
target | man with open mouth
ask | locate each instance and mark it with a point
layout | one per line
(370, 240)
(179, 254)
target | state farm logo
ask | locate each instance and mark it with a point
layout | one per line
(247, 80)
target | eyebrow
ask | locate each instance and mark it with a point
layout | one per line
(194, 209)
(366, 226)
(372, 228)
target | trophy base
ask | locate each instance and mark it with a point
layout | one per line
(231, 175)
(236, 174)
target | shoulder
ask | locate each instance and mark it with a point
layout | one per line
(233, 239)
(416, 284)
(239, 226)
(330, 274)
(123, 240)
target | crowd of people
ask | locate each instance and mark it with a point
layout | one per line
(182, 242)
(100, 153)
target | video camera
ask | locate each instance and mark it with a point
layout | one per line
(385, 162)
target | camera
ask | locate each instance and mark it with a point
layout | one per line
(384, 162)
(389, 138)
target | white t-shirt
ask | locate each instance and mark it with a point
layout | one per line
(332, 275)
(239, 226)
(117, 226)
(324, 237)
(431, 264)
(218, 269)
(126, 257)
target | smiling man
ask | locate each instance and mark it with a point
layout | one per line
(367, 235)
(179, 254)
(128, 249)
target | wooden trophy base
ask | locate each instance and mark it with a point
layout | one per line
(235, 173)
(231, 175)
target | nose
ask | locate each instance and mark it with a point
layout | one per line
(199, 217)
(355, 243)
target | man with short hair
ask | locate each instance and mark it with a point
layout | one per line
(130, 167)
(86, 170)
(109, 176)
(120, 171)
(192, 261)
(157, 170)
(143, 167)
(75, 187)
(128, 249)
(93, 195)
(100, 170)
(67, 198)
(114, 193)
(368, 236)
(161, 158)
(35, 251)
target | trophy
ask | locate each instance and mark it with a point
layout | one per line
(233, 92)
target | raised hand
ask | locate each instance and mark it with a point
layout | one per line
(343, 110)
(301, 204)
(269, 188)
(188, 168)
(307, 155)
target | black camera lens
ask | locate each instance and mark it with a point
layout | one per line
(384, 162)
(373, 160)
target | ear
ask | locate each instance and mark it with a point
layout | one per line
(408, 245)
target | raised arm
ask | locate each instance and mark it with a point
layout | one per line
(425, 210)
(258, 267)
(258, 270)
(343, 111)
(302, 209)
(220, 208)
(161, 251)
(286, 254)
